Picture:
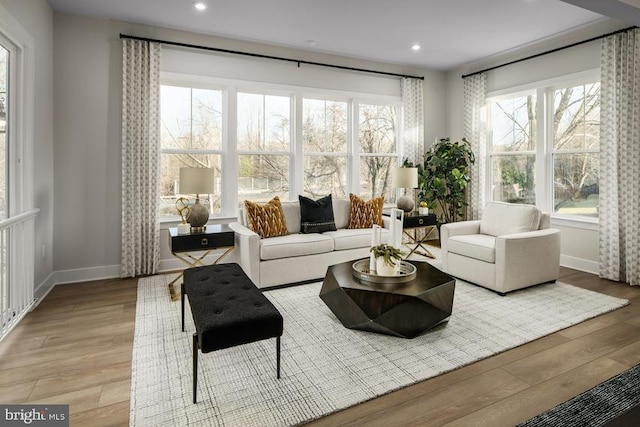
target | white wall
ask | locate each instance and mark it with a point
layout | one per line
(36, 17)
(87, 75)
(579, 240)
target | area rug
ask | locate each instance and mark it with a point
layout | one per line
(326, 367)
(602, 404)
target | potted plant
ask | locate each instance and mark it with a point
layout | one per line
(387, 259)
(443, 178)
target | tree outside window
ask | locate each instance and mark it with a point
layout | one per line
(264, 146)
(191, 136)
(378, 150)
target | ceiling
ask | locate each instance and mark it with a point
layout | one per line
(450, 32)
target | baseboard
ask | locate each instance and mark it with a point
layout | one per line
(86, 274)
(42, 290)
(580, 264)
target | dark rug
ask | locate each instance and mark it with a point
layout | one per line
(614, 403)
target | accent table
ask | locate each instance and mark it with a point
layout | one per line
(415, 222)
(215, 236)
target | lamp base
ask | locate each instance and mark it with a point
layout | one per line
(198, 217)
(406, 203)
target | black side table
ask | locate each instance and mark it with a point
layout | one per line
(416, 222)
(215, 236)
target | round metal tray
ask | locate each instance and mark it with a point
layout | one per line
(361, 271)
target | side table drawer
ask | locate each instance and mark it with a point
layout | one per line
(195, 242)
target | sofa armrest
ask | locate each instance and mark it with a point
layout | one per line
(247, 248)
(455, 229)
(534, 255)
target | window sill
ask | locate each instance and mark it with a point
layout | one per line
(582, 223)
(169, 221)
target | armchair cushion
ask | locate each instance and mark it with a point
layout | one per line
(478, 246)
(500, 218)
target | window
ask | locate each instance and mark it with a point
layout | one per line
(4, 104)
(264, 146)
(513, 149)
(191, 136)
(378, 150)
(277, 142)
(324, 135)
(546, 153)
(576, 146)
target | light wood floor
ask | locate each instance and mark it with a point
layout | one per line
(75, 348)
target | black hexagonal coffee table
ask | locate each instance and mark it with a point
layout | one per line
(400, 309)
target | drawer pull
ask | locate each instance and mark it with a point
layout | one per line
(421, 221)
(204, 241)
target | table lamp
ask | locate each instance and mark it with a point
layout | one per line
(197, 181)
(406, 178)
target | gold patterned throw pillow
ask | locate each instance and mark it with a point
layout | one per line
(268, 219)
(364, 214)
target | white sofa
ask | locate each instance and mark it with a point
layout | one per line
(299, 257)
(512, 247)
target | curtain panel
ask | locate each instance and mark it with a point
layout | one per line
(140, 251)
(619, 205)
(413, 122)
(475, 97)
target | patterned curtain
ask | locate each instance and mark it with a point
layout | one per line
(475, 95)
(140, 157)
(413, 126)
(619, 209)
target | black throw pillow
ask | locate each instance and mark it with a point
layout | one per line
(316, 216)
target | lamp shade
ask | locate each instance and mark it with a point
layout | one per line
(407, 177)
(196, 180)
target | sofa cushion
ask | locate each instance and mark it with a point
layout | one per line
(267, 219)
(500, 218)
(365, 213)
(341, 208)
(316, 216)
(478, 246)
(291, 211)
(345, 239)
(294, 245)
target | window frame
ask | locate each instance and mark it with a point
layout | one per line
(231, 88)
(544, 91)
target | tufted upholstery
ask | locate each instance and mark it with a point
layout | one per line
(228, 309)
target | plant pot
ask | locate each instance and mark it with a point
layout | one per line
(384, 269)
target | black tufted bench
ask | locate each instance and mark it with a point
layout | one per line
(228, 310)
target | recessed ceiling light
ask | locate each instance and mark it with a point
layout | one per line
(415, 47)
(200, 5)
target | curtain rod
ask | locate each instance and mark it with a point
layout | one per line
(549, 51)
(257, 55)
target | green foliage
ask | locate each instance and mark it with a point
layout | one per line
(388, 252)
(443, 177)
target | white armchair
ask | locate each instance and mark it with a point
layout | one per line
(512, 247)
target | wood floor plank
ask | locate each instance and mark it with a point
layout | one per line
(116, 392)
(534, 400)
(116, 415)
(78, 400)
(565, 357)
(448, 404)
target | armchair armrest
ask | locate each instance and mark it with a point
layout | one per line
(455, 229)
(247, 244)
(534, 255)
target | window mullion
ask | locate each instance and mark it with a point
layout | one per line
(543, 187)
(354, 148)
(230, 155)
(297, 168)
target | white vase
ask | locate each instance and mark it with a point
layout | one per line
(384, 269)
(423, 211)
